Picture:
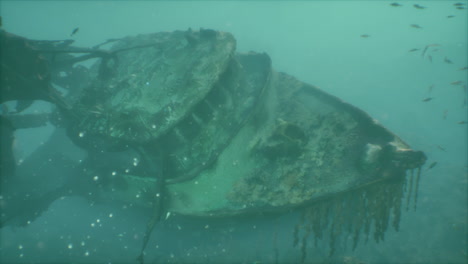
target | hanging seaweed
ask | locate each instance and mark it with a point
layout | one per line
(408, 198)
(351, 213)
(417, 187)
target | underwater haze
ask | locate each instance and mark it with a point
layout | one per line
(405, 65)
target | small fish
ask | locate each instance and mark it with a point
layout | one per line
(430, 58)
(447, 61)
(429, 89)
(365, 36)
(413, 50)
(441, 148)
(459, 4)
(427, 99)
(460, 7)
(434, 50)
(463, 69)
(433, 164)
(74, 31)
(419, 6)
(395, 4)
(445, 114)
(451, 16)
(415, 26)
(424, 51)
(456, 83)
(461, 122)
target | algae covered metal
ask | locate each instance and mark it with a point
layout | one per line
(230, 134)
(181, 123)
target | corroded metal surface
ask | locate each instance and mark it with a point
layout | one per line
(297, 145)
(150, 82)
(301, 145)
(228, 134)
(180, 123)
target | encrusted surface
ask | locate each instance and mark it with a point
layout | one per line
(151, 82)
(235, 136)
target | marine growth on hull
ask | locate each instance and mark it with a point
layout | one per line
(216, 133)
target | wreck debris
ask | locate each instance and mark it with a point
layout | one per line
(236, 138)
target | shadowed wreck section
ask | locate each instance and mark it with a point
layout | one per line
(222, 134)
